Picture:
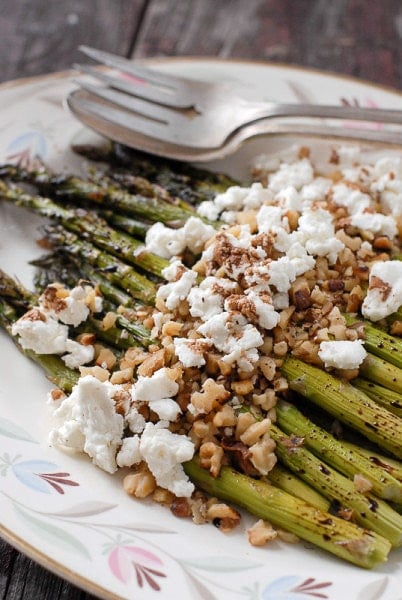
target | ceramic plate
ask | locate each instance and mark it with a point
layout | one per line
(76, 520)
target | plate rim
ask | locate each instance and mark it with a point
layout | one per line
(53, 566)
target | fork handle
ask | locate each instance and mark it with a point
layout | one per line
(322, 111)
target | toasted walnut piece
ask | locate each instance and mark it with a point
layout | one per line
(172, 328)
(152, 363)
(98, 372)
(223, 516)
(362, 484)
(280, 384)
(133, 357)
(267, 366)
(181, 508)
(266, 400)
(140, 484)
(212, 393)
(243, 387)
(382, 243)
(307, 351)
(225, 417)
(396, 328)
(244, 420)
(286, 536)
(122, 398)
(281, 348)
(261, 533)
(122, 376)
(86, 339)
(255, 431)
(57, 394)
(198, 506)
(162, 496)
(109, 320)
(211, 456)
(224, 368)
(262, 456)
(106, 359)
(203, 430)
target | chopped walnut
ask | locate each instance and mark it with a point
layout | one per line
(261, 533)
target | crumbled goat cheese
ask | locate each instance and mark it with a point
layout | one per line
(205, 301)
(41, 333)
(166, 409)
(187, 353)
(235, 337)
(175, 292)
(376, 223)
(129, 453)
(354, 200)
(268, 318)
(270, 218)
(314, 191)
(157, 387)
(78, 354)
(316, 232)
(295, 174)
(173, 271)
(235, 198)
(196, 234)
(164, 452)
(90, 423)
(135, 420)
(167, 242)
(342, 354)
(390, 191)
(164, 241)
(384, 295)
(74, 308)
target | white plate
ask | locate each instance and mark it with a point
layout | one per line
(76, 520)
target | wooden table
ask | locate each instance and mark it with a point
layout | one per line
(355, 37)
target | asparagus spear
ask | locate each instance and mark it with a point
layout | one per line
(346, 403)
(333, 452)
(387, 463)
(289, 482)
(62, 266)
(112, 270)
(379, 342)
(89, 225)
(77, 189)
(342, 538)
(390, 400)
(368, 511)
(382, 372)
(178, 179)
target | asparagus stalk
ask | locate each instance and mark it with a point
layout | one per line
(136, 228)
(178, 179)
(368, 511)
(346, 403)
(387, 463)
(289, 482)
(342, 538)
(379, 342)
(76, 189)
(112, 269)
(382, 372)
(333, 452)
(86, 224)
(390, 400)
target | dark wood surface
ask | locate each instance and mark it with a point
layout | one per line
(355, 37)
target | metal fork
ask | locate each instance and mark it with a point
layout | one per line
(150, 107)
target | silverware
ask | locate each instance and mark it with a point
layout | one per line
(194, 120)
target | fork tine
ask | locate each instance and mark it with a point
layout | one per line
(123, 64)
(118, 117)
(140, 89)
(132, 103)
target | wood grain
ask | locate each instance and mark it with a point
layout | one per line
(43, 36)
(355, 37)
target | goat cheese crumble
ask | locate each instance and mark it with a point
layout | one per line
(342, 354)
